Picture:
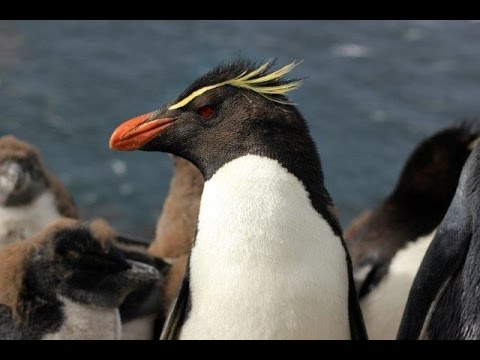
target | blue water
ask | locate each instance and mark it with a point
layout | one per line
(374, 89)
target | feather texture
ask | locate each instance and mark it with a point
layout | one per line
(258, 80)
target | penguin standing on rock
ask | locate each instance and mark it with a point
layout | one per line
(30, 197)
(268, 259)
(444, 302)
(67, 282)
(387, 244)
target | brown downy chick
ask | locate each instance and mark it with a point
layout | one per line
(67, 282)
(30, 196)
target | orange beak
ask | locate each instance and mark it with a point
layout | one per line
(136, 132)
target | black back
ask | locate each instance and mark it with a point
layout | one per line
(444, 300)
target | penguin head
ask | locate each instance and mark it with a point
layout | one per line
(22, 177)
(67, 263)
(432, 171)
(416, 206)
(235, 108)
(82, 263)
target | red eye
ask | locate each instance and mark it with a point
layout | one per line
(206, 111)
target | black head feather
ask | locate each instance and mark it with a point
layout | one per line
(231, 70)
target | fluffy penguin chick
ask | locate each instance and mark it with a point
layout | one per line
(387, 243)
(268, 260)
(67, 282)
(30, 197)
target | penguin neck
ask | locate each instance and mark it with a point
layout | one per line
(286, 141)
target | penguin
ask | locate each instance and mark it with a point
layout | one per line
(176, 226)
(268, 260)
(443, 303)
(30, 196)
(387, 244)
(67, 282)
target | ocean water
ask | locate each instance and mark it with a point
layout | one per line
(373, 90)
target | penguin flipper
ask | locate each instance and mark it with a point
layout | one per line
(178, 311)
(443, 258)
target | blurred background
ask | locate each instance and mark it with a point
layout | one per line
(374, 89)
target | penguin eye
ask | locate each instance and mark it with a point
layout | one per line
(206, 112)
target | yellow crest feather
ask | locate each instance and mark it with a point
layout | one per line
(251, 81)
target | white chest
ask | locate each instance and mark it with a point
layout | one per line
(86, 322)
(383, 307)
(21, 222)
(265, 264)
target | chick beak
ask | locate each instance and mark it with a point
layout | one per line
(136, 132)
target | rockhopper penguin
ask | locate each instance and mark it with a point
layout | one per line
(268, 260)
(30, 196)
(388, 243)
(444, 302)
(67, 282)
